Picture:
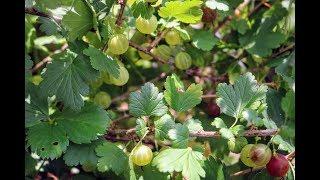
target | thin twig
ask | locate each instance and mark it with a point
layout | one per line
(208, 96)
(122, 6)
(48, 58)
(256, 8)
(288, 48)
(34, 11)
(156, 41)
(140, 48)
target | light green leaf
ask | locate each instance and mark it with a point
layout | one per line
(179, 135)
(204, 40)
(185, 11)
(233, 99)
(181, 160)
(86, 125)
(79, 20)
(212, 4)
(240, 25)
(288, 104)
(150, 172)
(252, 117)
(141, 127)
(148, 102)
(218, 123)
(237, 130)
(111, 158)
(82, 153)
(162, 127)
(184, 34)
(102, 62)
(47, 140)
(29, 164)
(67, 77)
(141, 8)
(283, 145)
(179, 99)
(194, 125)
(226, 133)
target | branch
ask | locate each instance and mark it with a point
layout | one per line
(122, 6)
(288, 48)
(256, 8)
(34, 11)
(208, 96)
(48, 58)
(140, 48)
(156, 41)
(290, 156)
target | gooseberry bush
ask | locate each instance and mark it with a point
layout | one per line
(159, 89)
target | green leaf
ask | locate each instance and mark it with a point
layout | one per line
(141, 127)
(66, 77)
(251, 116)
(30, 35)
(86, 125)
(179, 135)
(283, 145)
(102, 62)
(181, 160)
(240, 25)
(233, 99)
(262, 39)
(226, 133)
(79, 20)
(111, 158)
(148, 102)
(288, 104)
(214, 169)
(47, 140)
(237, 130)
(29, 164)
(36, 106)
(48, 26)
(82, 153)
(204, 40)
(218, 123)
(194, 125)
(150, 172)
(162, 127)
(274, 106)
(141, 8)
(179, 99)
(185, 11)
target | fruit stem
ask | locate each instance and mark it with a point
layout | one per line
(235, 122)
(292, 169)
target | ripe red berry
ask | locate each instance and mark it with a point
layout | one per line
(209, 15)
(213, 109)
(278, 166)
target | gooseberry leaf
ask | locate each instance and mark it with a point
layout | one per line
(36, 106)
(215, 170)
(274, 106)
(218, 123)
(102, 62)
(147, 102)
(79, 20)
(162, 127)
(179, 135)
(185, 11)
(141, 127)
(141, 8)
(178, 98)
(111, 158)
(261, 39)
(288, 104)
(82, 153)
(47, 140)
(194, 125)
(187, 161)
(67, 77)
(204, 40)
(48, 26)
(232, 99)
(86, 125)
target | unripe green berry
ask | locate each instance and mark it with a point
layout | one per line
(183, 61)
